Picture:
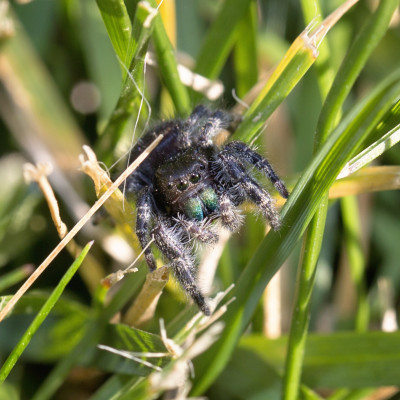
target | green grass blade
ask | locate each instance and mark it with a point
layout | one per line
(44, 312)
(312, 242)
(356, 258)
(119, 28)
(15, 276)
(168, 67)
(334, 361)
(93, 333)
(220, 38)
(356, 57)
(280, 84)
(298, 59)
(245, 52)
(372, 33)
(132, 96)
(301, 311)
(296, 215)
(373, 151)
(102, 66)
(312, 13)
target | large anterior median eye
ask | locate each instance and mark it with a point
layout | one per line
(194, 178)
(182, 185)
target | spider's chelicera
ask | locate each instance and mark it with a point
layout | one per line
(187, 182)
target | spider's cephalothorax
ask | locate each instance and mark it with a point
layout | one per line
(187, 182)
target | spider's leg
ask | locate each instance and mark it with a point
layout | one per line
(230, 215)
(199, 230)
(230, 171)
(242, 151)
(169, 242)
(263, 200)
(143, 221)
(217, 121)
(199, 112)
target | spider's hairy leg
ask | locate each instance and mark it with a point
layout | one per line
(217, 121)
(242, 151)
(263, 200)
(144, 218)
(204, 123)
(231, 171)
(199, 230)
(198, 113)
(230, 215)
(170, 243)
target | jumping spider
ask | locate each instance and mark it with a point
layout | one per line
(187, 182)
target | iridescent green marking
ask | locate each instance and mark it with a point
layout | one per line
(210, 199)
(193, 209)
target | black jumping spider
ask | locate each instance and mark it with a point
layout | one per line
(187, 182)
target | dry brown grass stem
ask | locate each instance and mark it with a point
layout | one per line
(96, 206)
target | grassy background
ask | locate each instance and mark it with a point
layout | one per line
(66, 79)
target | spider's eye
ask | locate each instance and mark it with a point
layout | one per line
(170, 186)
(182, 185)
(194, 178)
(202, 167)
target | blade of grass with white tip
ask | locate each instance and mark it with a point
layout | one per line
(298, 59)
(296, 215)
(312, 12)
(43, 313)
(371, 152)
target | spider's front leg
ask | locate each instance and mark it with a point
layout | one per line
(199, 230)
(231, 172)
(169, 241)
(203, 124)
(144, 217)
(241, 151)
(229, 213)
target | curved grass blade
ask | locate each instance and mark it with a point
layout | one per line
(119, 28)
(44, 312)
(298, 59)
(296, 215)
(371, 152)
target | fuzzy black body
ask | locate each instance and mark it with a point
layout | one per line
(187, 182)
